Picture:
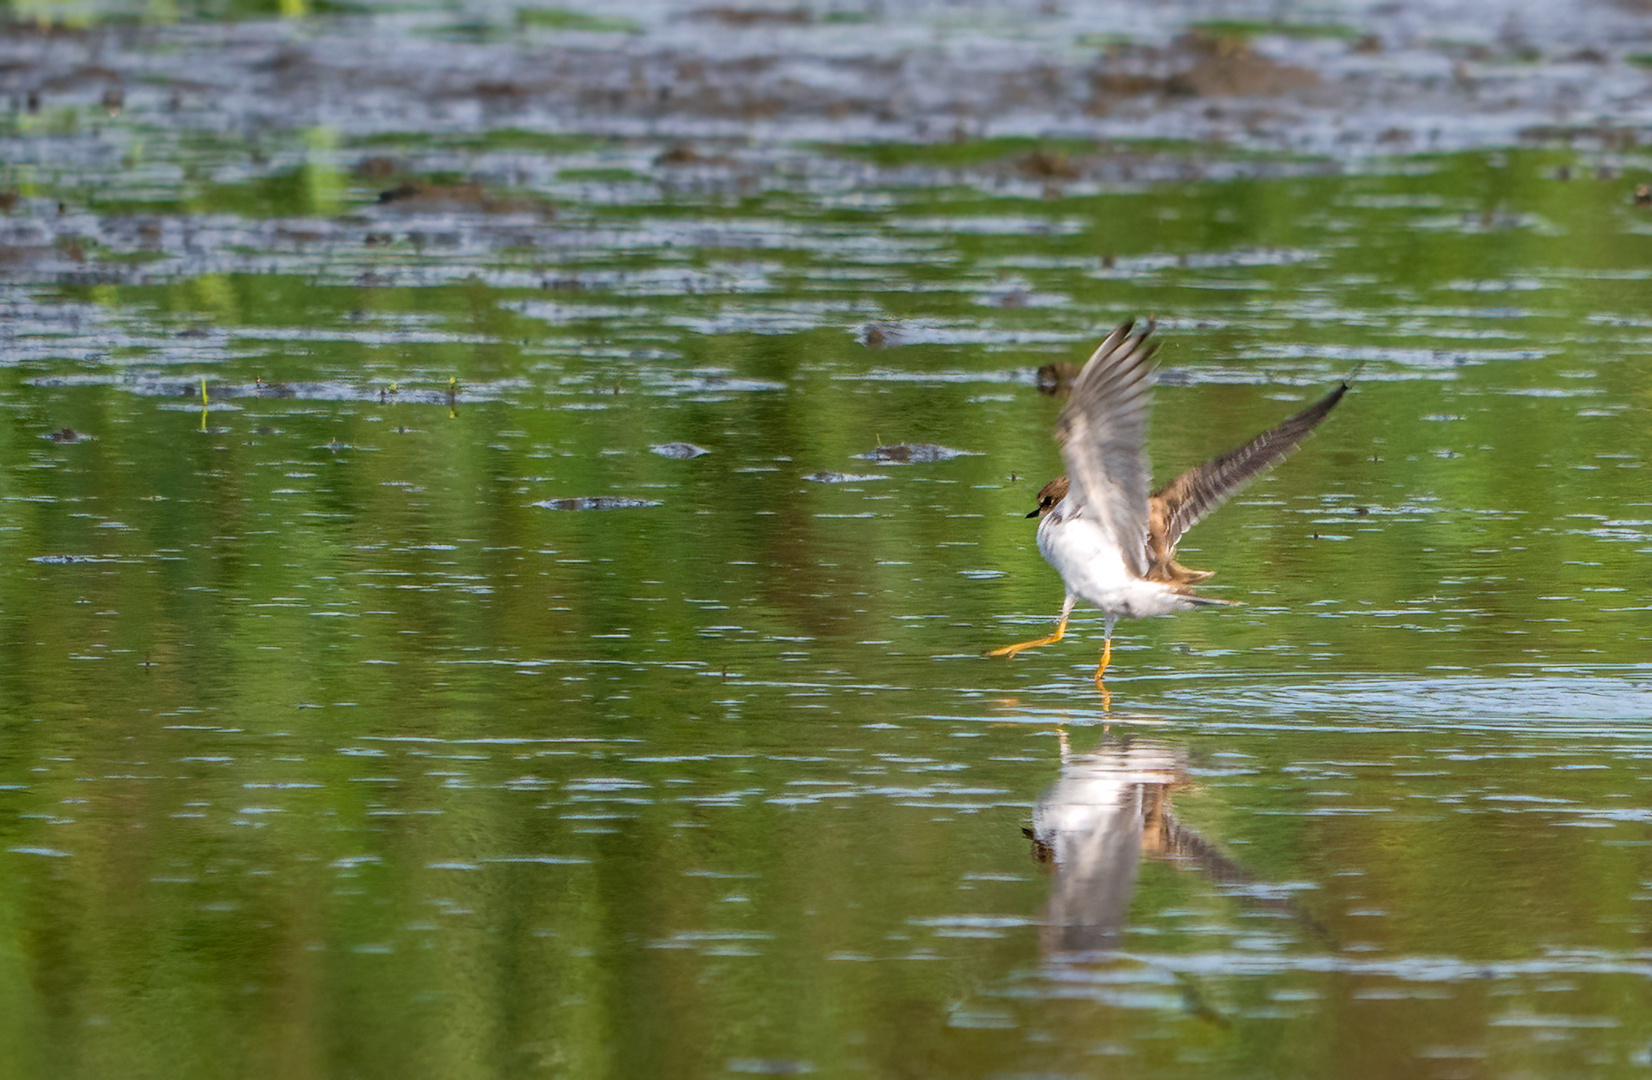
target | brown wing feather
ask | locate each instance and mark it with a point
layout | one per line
(1186, 500)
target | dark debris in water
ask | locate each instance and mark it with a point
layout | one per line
(1057, 378)
(67, 435)
(680, 155)
(843, 478)
(596, 502)
(680, 450)
(911, 453)
(878, 335)
(421, 195)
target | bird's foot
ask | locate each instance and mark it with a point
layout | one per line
(1106, 656)
(1101, 669)
(1049, 639)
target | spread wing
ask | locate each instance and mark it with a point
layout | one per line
(1195, 493)
(1103, 435)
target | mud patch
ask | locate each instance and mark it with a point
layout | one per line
(597, 502)
(911, 454)
(843, 478)
(66, 436)
(680, 451)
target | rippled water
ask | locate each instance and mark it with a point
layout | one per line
(489, 594)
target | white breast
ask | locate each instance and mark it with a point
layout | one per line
(1091, 564)
(1086, 555)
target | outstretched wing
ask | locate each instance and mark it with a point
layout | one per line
(1103, 435)
(1195, 493)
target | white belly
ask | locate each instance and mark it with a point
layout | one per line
(1092, 566)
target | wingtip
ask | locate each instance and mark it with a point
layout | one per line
(1140, 329)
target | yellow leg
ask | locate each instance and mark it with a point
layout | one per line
(1106, 655)
(1011, 650)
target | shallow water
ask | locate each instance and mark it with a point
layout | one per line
(391, 689)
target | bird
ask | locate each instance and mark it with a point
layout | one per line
(1111, 540)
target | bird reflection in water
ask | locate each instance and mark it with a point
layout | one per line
(1093, 826)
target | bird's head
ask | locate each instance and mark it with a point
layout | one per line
(1049, 495)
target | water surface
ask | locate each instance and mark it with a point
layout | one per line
(383, 695)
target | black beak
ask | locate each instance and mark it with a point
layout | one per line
(1035, 511)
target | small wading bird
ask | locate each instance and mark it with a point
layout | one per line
(1113, 543)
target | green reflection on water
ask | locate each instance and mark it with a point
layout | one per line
(326, 750)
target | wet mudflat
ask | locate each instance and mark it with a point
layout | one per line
(500, 531)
